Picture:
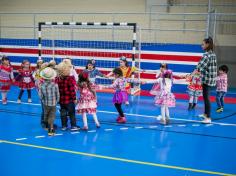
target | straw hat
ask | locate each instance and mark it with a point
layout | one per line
(63, 69)
(48, 73)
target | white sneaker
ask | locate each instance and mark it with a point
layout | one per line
(206, 120)
(202, 116)
(159, 117)
(18, 101)
(126, 103)
(29, 100)
(163, 121)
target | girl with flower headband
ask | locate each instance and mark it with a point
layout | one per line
(165, 98)
(25, 80)
(6, 78)
(87, 103)
(120, 95)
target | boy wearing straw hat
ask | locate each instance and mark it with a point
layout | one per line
(49, 95)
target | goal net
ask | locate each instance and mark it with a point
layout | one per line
(84, 41)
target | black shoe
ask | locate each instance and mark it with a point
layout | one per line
(194, 105)
(51, 132)
(190, 106)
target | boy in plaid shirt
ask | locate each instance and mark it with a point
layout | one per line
(67, 89)
(49, 95)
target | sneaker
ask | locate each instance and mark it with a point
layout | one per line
(159, 117)
(18, 101)
(64, 128)
(74, 128)
(98, 125)
(85, 128)
(202, 116)
(163, 121)
(122, 120)
(206, 120)
(167, 120)
(29, 100)
(4, 101)
(118, 118)
(51, 132)
(219, 110)
(127, 103)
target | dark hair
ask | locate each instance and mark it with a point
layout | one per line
(5, 58)
(123, 58)
(84, 81)
(164, 65)
(209, 41)
(118, 71)
(224, 68)
(92, 62)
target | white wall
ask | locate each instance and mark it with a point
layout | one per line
(72, 5)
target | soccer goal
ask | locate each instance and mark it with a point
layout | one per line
(83, 41)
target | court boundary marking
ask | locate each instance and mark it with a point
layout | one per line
(141, 115)
(115, 158)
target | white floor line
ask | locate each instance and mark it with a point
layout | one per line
(58, 134)
(140, 115)
(209, 125)
(92, 131)
(124, 128)
(39, 136)
(153, 126)
(181, 125)
(195, 125)
(76, 132)
(108, 129)
(168, 126)
(21, 139)
(138, 127)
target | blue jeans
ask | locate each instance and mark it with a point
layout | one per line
(220, 99)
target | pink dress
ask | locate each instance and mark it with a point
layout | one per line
(87, 102)
(164, 97)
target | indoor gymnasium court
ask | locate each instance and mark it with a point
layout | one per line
(118, 88)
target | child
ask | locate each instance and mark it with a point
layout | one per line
(92, 71)
(67, 84)
(73, 72)
(127, 72)
(6, 78)
(87, 102)
(38, 82)
(221, 87)
(25, 80)
(49, 95)
(164, 97)
(120, 95)
(156, 87)
(194, 88)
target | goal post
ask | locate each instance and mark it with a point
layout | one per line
(105, 42)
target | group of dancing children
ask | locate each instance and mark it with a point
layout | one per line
(59, 84)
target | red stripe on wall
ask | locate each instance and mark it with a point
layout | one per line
(103, 54)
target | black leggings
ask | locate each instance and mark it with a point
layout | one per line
(22, 91)
(206, 98)
(119, 109)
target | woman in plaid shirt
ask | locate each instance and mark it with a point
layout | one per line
(207, 66)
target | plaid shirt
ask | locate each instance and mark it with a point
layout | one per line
(67, 87)
(208, 68)
(49, 93)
